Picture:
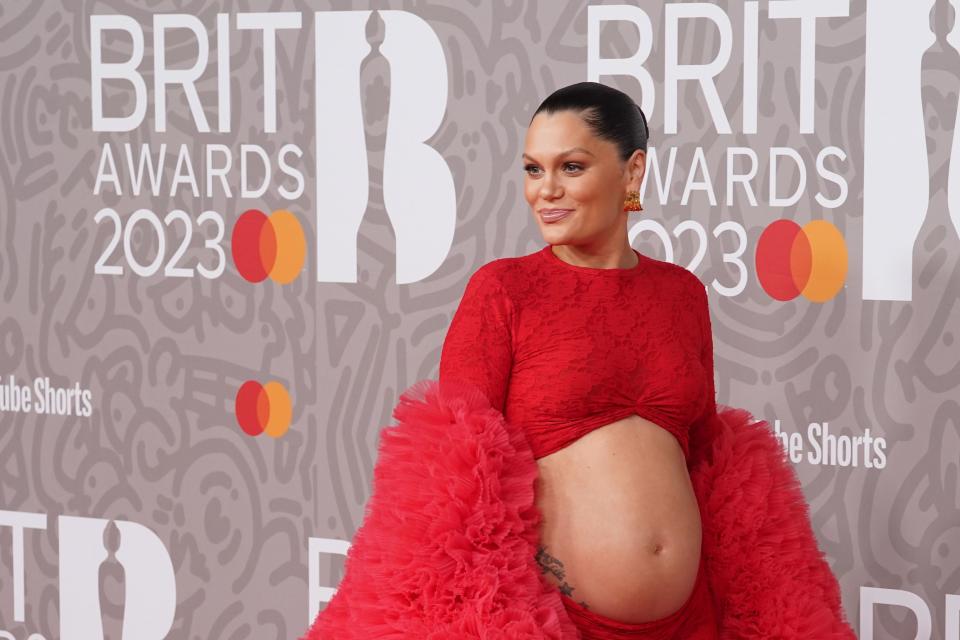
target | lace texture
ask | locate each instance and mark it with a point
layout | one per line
(562, 349)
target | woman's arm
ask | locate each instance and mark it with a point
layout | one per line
(478, 347)
(702, 305)
(707, 358)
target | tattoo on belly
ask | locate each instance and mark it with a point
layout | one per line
(549, 564)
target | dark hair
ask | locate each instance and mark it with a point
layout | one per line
(610, 113)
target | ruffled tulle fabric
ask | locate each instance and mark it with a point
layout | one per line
(446, 549)
(768, 576)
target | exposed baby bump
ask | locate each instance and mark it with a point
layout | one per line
(622, 569)
(621, 528)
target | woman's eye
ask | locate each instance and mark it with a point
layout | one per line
(574, 165)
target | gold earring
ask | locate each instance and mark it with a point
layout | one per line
(632, 203)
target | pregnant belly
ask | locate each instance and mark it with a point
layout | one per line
(621, 528)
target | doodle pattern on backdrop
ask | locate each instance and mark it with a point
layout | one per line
(146, 491)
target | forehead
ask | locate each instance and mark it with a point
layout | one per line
(554, 133)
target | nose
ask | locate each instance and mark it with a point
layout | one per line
(549, 187)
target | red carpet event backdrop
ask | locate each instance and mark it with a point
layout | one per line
(232, 234)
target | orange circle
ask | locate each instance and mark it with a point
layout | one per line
(828, 261)
(291, 247)
(281, 409)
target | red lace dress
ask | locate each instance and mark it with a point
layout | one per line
(447, 546)
(562, 349)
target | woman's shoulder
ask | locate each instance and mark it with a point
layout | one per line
(510, 277)
(507, 270)
(674, 273)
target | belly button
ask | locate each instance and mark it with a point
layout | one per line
(657, 548)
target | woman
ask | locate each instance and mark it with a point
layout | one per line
(571, 475)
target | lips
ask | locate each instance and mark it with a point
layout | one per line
(553, 215)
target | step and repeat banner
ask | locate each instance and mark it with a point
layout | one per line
(232, 234)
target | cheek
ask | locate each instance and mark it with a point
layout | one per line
(589, 191)
(530, 191)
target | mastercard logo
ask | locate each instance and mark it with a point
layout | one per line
(263, 408)
(271, 246)
(810, 260)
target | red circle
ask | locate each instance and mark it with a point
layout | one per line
(777, 246)
(268, 246)
(801, 260)
(250, 403)
(246, 245)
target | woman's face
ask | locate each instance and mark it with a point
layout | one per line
(567, 167)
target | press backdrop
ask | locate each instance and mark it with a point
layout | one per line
(231, 234)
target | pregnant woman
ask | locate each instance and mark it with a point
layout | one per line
(604, 357)
(570, 476)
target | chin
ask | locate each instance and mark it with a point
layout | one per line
(554, 231)
(561, 237)
(553, 238)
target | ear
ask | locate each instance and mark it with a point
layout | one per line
(636, 168)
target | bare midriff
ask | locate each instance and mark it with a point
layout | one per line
(621, 528)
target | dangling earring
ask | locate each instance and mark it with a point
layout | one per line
(632, 203)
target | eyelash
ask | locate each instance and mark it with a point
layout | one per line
(568, 164)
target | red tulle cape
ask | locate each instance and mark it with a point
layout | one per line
(446, 549)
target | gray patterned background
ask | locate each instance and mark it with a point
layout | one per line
(163, 357)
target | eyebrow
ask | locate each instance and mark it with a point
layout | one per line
(565, 153)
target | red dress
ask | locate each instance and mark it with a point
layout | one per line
(562, 349)
(540, 352)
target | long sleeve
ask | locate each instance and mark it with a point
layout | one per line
(478, 347)
(703, 429)
(706, 357)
